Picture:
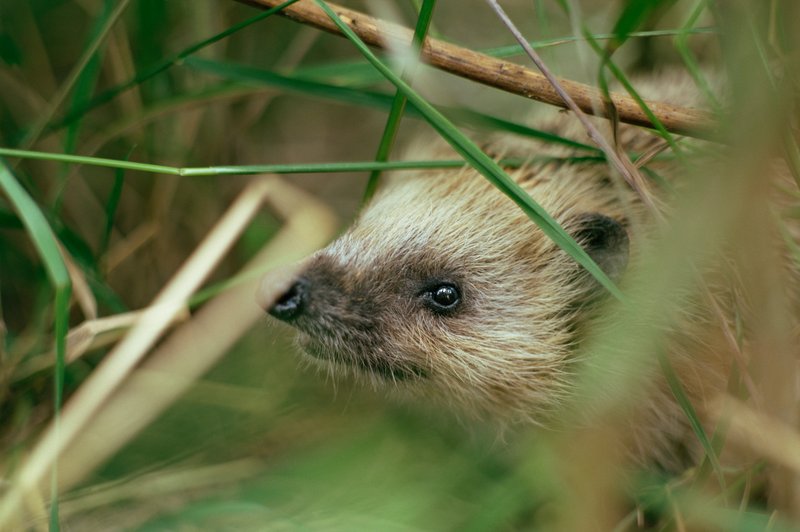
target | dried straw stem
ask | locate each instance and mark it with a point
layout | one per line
(498, 73)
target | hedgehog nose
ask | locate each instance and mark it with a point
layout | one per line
(292, 303)
(284, 292)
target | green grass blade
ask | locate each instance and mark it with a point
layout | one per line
(299, 85)
(494, 123)
(691, 414)
(357, 166)
(84, 88)
(304, 168)
(111, 209)
(33, 134)
(369, 166)
(356, 73)
(94, 161)
(399, 102)
(47, 247)
(367, 98)
(607, 63)
(161, 66)
(433, 31)
(43, 240)
(481, 162)
(633, 15)
(681, 42)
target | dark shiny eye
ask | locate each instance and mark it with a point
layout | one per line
(446, 296)
(442, 297)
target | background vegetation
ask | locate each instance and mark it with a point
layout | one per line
(260, 442)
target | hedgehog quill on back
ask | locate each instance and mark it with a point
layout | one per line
(445, 289)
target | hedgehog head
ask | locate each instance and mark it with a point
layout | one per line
(443, 287)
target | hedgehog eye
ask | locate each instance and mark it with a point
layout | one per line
(442, 297)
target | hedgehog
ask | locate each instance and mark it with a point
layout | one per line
(444, 289)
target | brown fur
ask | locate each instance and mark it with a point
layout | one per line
(511, 350)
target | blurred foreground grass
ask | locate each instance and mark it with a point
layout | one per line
(258, 443)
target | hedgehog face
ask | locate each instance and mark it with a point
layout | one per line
(348, 317)
(444, 286)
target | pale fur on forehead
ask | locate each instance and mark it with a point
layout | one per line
(437, 205)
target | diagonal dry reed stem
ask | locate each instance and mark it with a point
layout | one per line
(504, 75)
(181, 358)
(617, 160)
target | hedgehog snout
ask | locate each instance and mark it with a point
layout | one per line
(292, 303)
(284, 292)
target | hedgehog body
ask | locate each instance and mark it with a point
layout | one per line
(443, 288)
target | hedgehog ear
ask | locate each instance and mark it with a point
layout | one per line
(605, 240)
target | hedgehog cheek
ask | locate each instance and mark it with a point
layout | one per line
(606, 242)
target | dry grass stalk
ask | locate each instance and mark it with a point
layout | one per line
(89, 335)
(617, 157)
(115, 403)
(161, 483)
(504, 75)
(80, 288)
(756, 431)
